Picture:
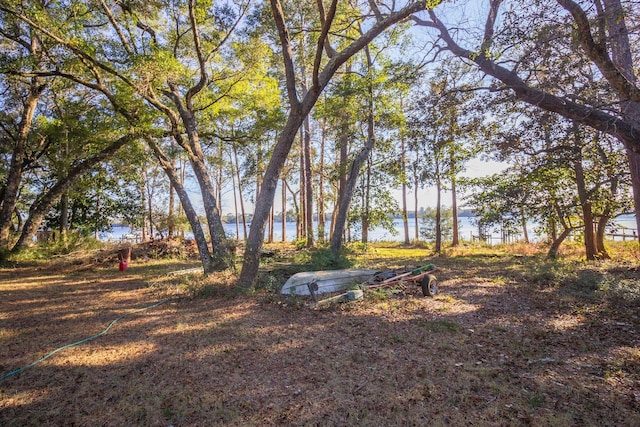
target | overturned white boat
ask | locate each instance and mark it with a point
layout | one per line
(326, 281)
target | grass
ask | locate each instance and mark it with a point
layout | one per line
(510, 339)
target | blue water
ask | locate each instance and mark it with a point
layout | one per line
(467, 227)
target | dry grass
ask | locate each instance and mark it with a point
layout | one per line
(509, 340)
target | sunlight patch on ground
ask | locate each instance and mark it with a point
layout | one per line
(6, 333)
(20, 284)
(566, 322)
(24, 398)
(104, 356)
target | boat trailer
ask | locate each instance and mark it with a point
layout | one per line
(420, 276)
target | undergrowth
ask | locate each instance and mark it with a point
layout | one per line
(46, 250)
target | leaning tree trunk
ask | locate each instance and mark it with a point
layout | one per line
(45, 201)
(352, 179)
(557, 241)
(221, 255)
(248, 275)
(207, 260)
(16, 168)
(345, 200)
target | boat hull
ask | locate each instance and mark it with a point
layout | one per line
(327, 281)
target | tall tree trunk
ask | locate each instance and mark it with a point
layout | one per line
(403, 162)
(343, 167)
(172, 208)
(416, 184)
(366, 206)
(18, 155)
(523, 218)
(454, 211)
(583, 197)
(302, 216)
(240, 195)
(308, 184)
(321, 213)
(284, 210)
(220, 176)
(235, 200)
(251, 261)
(172, 213)
(438, 212)
(64, 216)
(364, 201)
(149, 208)
(143, 207)
(352, 178)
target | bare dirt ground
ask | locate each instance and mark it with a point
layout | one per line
(507, 341)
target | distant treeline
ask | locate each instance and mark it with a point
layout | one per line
(291, 217)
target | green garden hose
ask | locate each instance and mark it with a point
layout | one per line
(30, 365)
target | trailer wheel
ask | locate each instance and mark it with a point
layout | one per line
(429, 285)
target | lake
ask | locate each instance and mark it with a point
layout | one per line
(467, 226)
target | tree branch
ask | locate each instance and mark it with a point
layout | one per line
(597, 52)
(287, 54)
(599, 120)
(322, 40)
(201, 61)
(487, 40)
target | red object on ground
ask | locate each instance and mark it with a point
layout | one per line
(123, 265)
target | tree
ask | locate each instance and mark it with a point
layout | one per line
(437, 224)
(547, 154)
(137, 62)
(609, 51)
(19, 47)
(300, 108)
(437, 128)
